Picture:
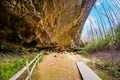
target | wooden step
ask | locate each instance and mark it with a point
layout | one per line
(86, 72)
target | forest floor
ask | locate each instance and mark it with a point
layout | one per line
(60, 66)
(111, 55)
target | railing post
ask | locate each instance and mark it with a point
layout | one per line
(28, 70)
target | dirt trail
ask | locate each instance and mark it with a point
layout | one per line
(58, 67)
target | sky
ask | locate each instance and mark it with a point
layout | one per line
(98, 20)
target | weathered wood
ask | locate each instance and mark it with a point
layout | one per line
(86, 72)
(18, 74)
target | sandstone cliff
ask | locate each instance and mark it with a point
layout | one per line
(43, 23)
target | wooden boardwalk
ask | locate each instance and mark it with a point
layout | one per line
(86, 72)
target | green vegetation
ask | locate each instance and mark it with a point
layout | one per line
(117, 36)
(97, 44)
(10, 64)
(105, 69)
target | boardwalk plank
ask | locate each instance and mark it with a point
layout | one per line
(86, 72)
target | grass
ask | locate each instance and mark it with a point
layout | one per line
(10, 64)
(106, 70)
(97, 44)
(94, 46)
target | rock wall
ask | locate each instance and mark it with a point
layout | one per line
(43, 23)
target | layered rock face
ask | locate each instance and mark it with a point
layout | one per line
(43, 23)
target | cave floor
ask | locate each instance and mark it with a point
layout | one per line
(58, 67)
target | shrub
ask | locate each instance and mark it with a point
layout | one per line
(117, 37)
(97, 44)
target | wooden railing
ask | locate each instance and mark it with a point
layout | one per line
(26, 70)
